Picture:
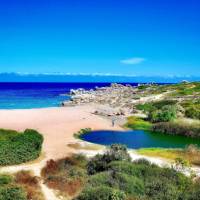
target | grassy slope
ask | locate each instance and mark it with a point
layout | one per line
(115, 177)
(190, 154)
(137, 124)
(188, 95)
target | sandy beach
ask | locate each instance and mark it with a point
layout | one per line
(57, 125)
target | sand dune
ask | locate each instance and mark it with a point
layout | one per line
(56, 124)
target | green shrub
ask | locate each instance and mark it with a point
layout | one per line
(192, 193)
(190, 130)
(9, 190)
(82, 132)
(101, 193)
(20, 147)
(141, 179)
(162, 103)
(131, 185)
(97, 164)
(114, 176)
(159, 189)
(8, 134)
(100, 163)
(145, 107)
(5, 179)
(12, 193)
(125, 167)
(143, 87)
(157, 105)
(102, 178)
(193, 112)
(136, 123)
(167, 113)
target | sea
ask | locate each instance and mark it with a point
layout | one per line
(39, 95)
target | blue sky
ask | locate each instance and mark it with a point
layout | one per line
(128, 37)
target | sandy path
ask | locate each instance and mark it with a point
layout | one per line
(35, 169)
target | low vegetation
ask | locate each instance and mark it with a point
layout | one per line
(113, 176)
(193, 112)
(179, 90)
(100, 162)
(178, 128)
(192, 108)
(30, 184)
(11, 190)
(148, 107)
(160, 111)
(165, 114)
(21, 186)
(184, 96)
(66, 175)
(190, 153)
(82, 132)
(137, 123)
(181, 102)
(16, 147)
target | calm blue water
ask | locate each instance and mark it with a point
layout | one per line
(38, 95)
(139, 139)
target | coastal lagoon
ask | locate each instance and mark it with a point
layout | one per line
(139, 139)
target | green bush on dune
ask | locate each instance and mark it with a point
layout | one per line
(13, 192)
(165, 114)
(100, 162)
(101, 193)
(126, 180)
(9, 190)
(115, 177)
(16, 148)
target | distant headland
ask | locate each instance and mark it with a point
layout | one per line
(97, 77)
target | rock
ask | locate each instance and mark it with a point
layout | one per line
(116, 96)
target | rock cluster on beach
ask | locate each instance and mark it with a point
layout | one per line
(119, 97)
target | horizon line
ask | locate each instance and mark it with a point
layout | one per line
(93, 74)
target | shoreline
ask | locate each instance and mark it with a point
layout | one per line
(56, 124)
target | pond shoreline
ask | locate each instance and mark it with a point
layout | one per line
(137, 139)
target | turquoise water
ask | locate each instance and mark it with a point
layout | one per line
(38, 95)
(139, 139)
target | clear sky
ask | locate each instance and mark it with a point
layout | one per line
(130, 37)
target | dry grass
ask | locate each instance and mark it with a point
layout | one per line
(68, 175)
(31, 185)
(80, 146)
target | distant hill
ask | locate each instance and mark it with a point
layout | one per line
(58, 77)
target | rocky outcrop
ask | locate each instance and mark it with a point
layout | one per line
(121, 98)
(117, 96)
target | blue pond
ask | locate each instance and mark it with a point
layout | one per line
(139, 139)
